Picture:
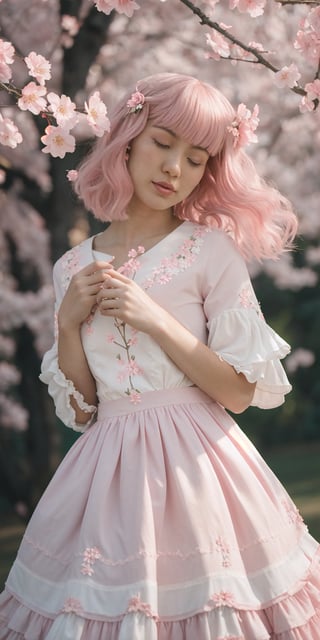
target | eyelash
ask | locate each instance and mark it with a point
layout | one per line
(167, 146)
(160, 144)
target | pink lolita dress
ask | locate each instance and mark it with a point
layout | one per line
(163, 522)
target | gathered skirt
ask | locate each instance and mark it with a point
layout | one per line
(163, 522)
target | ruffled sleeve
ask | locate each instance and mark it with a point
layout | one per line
(238, 332)
(59, 387)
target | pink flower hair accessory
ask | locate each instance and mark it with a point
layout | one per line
(244, 125)
(136, 102)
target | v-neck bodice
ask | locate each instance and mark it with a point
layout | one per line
(197, 274)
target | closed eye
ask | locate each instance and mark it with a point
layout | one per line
(160, 144)
(194, 163)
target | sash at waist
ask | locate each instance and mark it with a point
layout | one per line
(152, 399)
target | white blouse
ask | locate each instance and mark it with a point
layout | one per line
(198, 275)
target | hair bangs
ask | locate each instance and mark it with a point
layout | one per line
(197, 113)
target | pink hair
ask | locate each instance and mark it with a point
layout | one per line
(231, 195)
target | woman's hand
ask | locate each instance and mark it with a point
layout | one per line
(122, 298)
(81, 296)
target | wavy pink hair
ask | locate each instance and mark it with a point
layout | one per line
(230, 195)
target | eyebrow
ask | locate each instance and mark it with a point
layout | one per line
(172, 133)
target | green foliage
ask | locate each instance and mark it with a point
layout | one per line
(295, 315)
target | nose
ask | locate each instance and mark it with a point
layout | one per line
(172, 165)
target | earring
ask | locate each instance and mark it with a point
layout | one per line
(128, 149)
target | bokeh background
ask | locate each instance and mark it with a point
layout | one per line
(40, 218)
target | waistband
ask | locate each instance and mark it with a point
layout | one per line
(152, 399)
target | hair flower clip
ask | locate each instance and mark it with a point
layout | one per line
(136, 102)
(244, 126)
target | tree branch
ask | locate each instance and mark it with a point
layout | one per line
(259, 58)
(294, 2)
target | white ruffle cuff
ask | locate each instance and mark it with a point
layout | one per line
(61, 389)
(242, 338)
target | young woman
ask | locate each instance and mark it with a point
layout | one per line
(163, 522)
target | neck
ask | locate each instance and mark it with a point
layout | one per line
(138, 228)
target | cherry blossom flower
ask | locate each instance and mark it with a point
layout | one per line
(287, 76)
(255, 8)
(314, 20)
(244, 126)
(63, 109)
(39, 67)
(9, 376)
(219, 46)
(313, 255)
(121, 6)
(308, 37)
(70, 27)
(299, 358)
(31, 98)
(135, 396)
(313, 89)
(10, 135)
(97, 114)
(70, 24)
(6, 58)
(58, 141)
(13, 415)
(72, 175)
(306, 104)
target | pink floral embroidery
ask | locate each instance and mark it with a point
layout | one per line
(89, 320)
(174, 264)
(293, 514)
(221, 599)
(224, 549)
(72, 605)
(132, 265)
(135, 397)
(129, 366)
(248, 300)
(126, 337)
(136, 604)
(70, 265)
(90, 555)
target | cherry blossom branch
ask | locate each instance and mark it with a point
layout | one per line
(294, 2)
(259, 58)
(11, 89)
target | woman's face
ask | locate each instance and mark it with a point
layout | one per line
(164, 168)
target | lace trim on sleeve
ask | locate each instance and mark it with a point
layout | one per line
(61, 389)
(242, 338)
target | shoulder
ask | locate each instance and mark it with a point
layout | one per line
(220, 249)
(72, 261)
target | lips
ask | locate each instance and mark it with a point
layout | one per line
(164, 187)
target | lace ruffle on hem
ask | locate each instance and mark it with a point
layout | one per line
(295, 617)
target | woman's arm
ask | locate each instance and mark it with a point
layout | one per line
(199, 363)
(124, 299)
(77, 304)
